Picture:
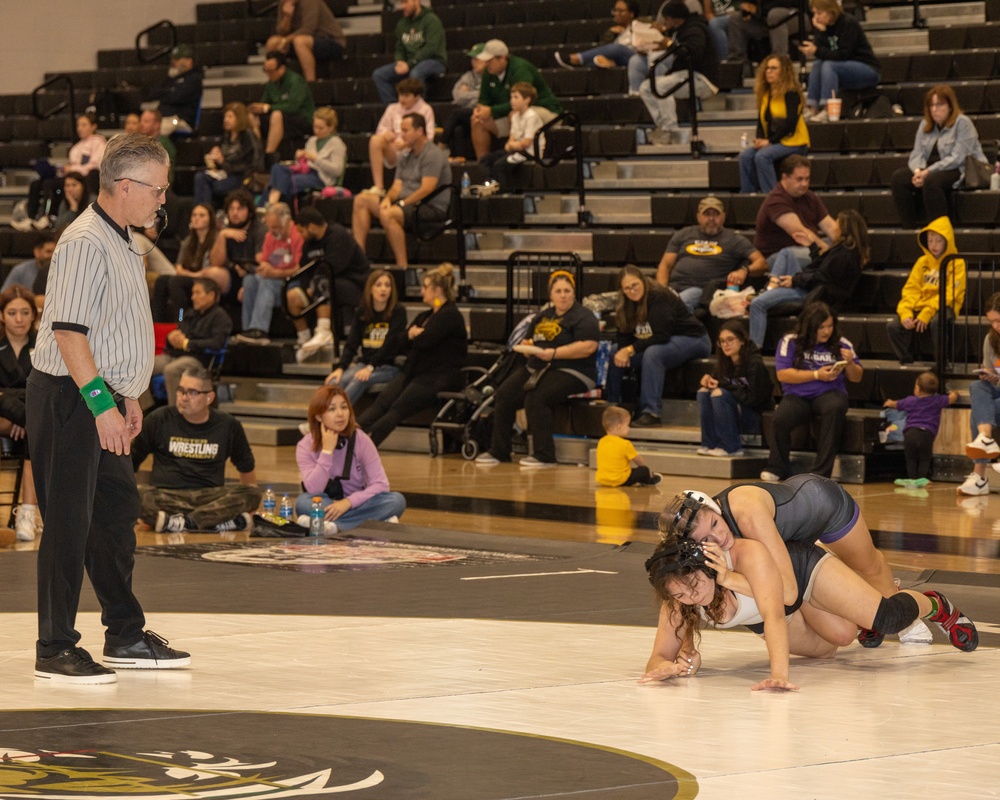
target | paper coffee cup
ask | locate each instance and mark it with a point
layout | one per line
(833, 106)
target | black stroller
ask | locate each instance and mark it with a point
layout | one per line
(466, 418)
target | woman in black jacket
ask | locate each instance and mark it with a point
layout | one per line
(436, 345)
(19, 317)
(831, 278)
(656, 333)
(235, 158)
(844, 57)
(734, 395)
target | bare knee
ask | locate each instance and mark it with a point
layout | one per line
(716, 392)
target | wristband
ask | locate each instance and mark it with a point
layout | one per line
(815, 374)
(97, 396)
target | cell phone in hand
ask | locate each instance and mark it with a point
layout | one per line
(839, 367)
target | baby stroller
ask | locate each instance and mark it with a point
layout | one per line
(466, 418)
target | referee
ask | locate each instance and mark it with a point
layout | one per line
(93, 358)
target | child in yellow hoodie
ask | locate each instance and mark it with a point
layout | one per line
(918, 307)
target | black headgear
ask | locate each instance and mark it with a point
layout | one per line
(682, 554)
(678, 517)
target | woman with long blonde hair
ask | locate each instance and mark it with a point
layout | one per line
(781, 129)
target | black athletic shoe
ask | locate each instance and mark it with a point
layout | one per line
(150, 652)
(240, 523)
(646, 420)
(958, 627)
(73, 665)
(867, 638)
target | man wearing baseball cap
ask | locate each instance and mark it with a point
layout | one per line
(691, 47)
(456, 136)
(503, 70)
(179, 96)
(707, 253)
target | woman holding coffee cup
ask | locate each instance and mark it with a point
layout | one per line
(844, 59)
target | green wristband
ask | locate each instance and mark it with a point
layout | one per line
(97, 396)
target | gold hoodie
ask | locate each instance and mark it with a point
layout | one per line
(920, 294)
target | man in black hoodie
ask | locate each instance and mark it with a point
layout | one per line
(691, 44)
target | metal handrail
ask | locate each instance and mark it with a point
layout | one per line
(156, 55)
(455, 219)
(69, 102)
(254, 10)
(697, 146)
(574, 151)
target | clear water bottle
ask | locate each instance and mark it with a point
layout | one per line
(286, 506)
(466, 184)
(270, 502)
(995, 178)
(316, 516)
(744, 140)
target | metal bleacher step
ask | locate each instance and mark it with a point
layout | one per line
(271, 433)
(496, 245)
(676, 459)
(934, 15)
(899, 41)
(642, 174)
(556, 209)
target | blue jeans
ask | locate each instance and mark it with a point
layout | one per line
(291, 183)
(355, 390)
(638, 69)
(691, 296)
(718, 27)
(653, 363)
(378, 508)
(207, 189)
(757, 167)
(260, 296)
(763, 303)
(619, 53)
(828, 77)
(385, 77)
(801, 254)
(723, 419)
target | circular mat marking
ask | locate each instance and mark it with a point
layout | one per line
(161, 755)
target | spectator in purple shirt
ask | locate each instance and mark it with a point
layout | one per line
(339, 463)
(813, 366)
(923, 418)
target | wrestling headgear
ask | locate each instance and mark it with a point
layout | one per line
(678, 517)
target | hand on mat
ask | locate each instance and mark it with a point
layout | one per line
(774, 683)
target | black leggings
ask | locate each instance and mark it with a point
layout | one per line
(917, 207)
(918, 447)
(830, 411)
(402, 397)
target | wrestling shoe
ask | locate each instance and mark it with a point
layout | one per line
(974, 485)
(150, 652)
(982, 447)
(958, 627)
(170, 523)
(917, 633)
(73, 665)
(869, 638)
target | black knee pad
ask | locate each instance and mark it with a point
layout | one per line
(895, 613)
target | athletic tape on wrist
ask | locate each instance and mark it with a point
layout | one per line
(97, 396)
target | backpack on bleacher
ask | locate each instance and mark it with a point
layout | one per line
(874, 107)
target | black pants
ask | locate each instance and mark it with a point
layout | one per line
(500, 169)
(640, 476)
(906, 344)
(457, 133)
(171, 294)
(44, 195)
(917, 207)
(829, 409)
(94, 503)
(402, 397)
(346, 298)
(539, 405)
(918, 447)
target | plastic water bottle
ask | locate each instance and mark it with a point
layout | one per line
(269, 501)
(744, 140)
(316, 516)
(286, 506)
(995, 178)
(466, 184)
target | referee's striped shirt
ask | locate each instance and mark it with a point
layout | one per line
(97, 286)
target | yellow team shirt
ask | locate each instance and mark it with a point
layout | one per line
(614, 460)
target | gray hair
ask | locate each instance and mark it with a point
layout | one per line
(199, 373)
(126, 153)
(280, 210)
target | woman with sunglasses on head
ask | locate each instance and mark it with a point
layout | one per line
(736, 587)
(340, 464)
(734, 395)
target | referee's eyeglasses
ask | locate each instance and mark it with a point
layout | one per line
(157, 189)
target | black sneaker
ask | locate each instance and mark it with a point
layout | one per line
(958, 627)
(252, 336)
(150, 652)
(73, 665)
(869, 638)
(239, 523)
(646, 420)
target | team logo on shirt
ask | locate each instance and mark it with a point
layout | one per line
(547, 330)
(181, 447)
(703, 247)
(375, 335)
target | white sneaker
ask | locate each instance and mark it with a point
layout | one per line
(917, 633)
(43, 223)
(974, 485)
(24, 526)
(982, 447)
(329, 528)
(393, 519)
(319, 340)
(486, 460)
(23, 225)
(770, 477)
(717, 452)
(530, 462)
(172, 523)
(820, 117)
(703, 451)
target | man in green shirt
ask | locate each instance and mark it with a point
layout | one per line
(285, 109)
(503, 70)
(420, 51)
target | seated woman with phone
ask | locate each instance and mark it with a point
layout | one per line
(813, 365)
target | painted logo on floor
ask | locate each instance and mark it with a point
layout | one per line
(158, 775)
(336, 556)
